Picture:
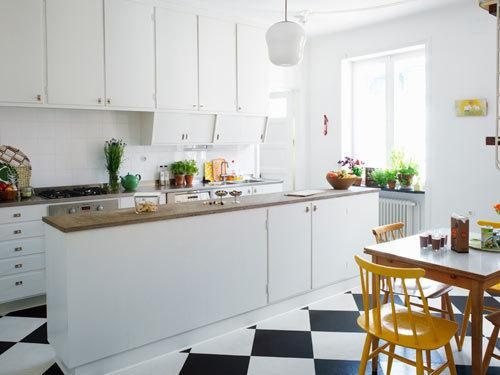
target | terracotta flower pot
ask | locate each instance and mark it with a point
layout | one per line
(180, 180)
(357, 182)
(391, 184)
(189, 180)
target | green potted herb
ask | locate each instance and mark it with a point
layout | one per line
(113, 152)
(178, 169)
(191, 169)
(406, 172)
(379, 176)
(391, 176)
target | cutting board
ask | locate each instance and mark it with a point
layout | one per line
(217, 169)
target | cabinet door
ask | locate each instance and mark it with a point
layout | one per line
(253, 75)
(217, 55)
(267, 189)
(176, 60)
(176, 128)
(75, 52)
(289, 239)
(341, 227)
(240, 129)
(21, 46)
(129, 30)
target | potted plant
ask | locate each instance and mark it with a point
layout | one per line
(379, 176)
(406, 173)
(113, 152)
(391, 176)
(355, 166)
(178, 169)
(191, 169)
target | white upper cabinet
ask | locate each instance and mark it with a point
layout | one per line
(231, 129)
(130, 54)
(75, 52)
(253, 63)
(21, 51)
(217, 65)
(176, 60)
(186, 128)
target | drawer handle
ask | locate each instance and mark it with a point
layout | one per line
(19, 248)
(19, 265)
(17, 214)
(17, 231)
(18, 283)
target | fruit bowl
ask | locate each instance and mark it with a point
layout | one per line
(340, 181)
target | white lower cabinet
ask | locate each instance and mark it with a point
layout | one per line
(289, 250)
(341, 227)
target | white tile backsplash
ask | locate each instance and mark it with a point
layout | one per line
(66, 146)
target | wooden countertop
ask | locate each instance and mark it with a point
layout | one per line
(74, 223)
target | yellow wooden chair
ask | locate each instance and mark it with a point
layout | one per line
(495, 320)
(432, 289)
(400, 325)
(495, 290)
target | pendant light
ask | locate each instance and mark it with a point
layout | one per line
(285, 42)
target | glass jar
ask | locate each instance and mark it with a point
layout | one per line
(146, 202)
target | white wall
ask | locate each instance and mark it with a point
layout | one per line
(66, 146)
(461, 64)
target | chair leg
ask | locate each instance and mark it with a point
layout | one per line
(386, 298)
(443, 306)
(390, 359)
(449, 358)
(490, 349)
(428, 358)
(465, 323)
(420, 363)
(366, 353)
(449, 308)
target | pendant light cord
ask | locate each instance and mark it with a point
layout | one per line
(286, 10)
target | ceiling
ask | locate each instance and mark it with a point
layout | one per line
(324, 16)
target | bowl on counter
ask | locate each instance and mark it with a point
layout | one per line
(340, 183)
(8, 195)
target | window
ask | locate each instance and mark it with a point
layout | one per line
(383, 102)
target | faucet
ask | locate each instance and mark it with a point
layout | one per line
(224, 174)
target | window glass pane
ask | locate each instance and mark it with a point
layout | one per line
(369, 112)
(409, 107)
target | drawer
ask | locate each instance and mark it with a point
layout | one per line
(25, 246)
(22, 285)
(22, 264)
(21, 230)
(10, 215)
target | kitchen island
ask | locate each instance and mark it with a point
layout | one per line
(123, 288)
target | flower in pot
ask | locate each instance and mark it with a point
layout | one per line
(406, 172)
(379, 176)
(391, 176)
(355, 166)
(191, 170)
(113, 152)
(178, 169)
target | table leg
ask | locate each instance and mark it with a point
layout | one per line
(477, 294)
(375, 340)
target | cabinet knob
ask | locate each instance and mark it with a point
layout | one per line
(239, 108)
(307, 209)
(182, 137)
(202, 105)
(108, 100)
(17, 231)
(18, 248)
(315, 208)
(39, 98)
(17, 214)
(18, 283)
(19, 265)
(195, 105)
(99, 100)
(217, 137)
(187, 136)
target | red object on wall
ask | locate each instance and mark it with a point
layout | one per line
(325, 124)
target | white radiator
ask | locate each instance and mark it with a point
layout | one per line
(398, 210)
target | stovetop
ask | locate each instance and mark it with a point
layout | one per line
(81, 191)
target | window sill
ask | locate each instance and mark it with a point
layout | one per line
(403, 191)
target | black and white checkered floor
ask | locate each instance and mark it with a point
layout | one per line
(322, 339)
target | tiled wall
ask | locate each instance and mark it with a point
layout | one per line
(66, 146)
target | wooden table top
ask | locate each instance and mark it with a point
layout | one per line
(477, 264)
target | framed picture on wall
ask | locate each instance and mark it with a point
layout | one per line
(471, 107)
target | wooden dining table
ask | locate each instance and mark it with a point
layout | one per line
(475, 271)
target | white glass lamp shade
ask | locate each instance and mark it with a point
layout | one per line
(285, 43)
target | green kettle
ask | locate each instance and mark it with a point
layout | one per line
(130, 182)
